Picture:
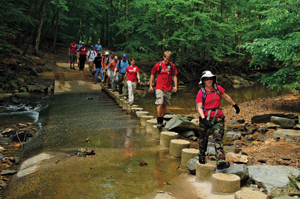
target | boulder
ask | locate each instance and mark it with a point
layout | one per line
(8, 172)
(269, 177)
(191, 165)
(283, 122)
(240, 170)
(236, 158)
(180, 124)
(285, 132)
(264, 118)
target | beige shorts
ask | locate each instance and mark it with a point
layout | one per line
(163, 97)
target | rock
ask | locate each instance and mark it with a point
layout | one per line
(283, 122)
(270, 125)
(289, 140)
(297, 127)
(284, 191)
(285, 132)
(8, 172)
(22, 95)
(1, 156)
(270, 177)
(247, 193)
(249, 139)
(191, 165)
(231, 134)
(233, 123)
(264, 118)
(261, 138)
(180, 124)
(240, 170)
(284, 197)
(241, 121)
(188, 134)
(210, 150)
(17, 160)
(232, 149)
(237, 136)
(34, 72)
(294, 181)
(236, 158)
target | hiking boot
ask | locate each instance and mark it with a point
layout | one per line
(73, 68)
(114, 90)
(159, 125)
(202, 160)
(95, 82)
(223, 165)
(130, 104)
(125, 98)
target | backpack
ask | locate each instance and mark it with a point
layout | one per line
(204, 94)
(159, 70)
(89, 52)
(120, 63)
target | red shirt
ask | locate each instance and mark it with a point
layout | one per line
(164, 79)
(210, 102)
(83, 50)
(73, 48)
(132, 73)
(113, 65)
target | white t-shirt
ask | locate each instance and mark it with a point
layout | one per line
(91, 54)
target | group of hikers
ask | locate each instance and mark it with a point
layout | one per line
(164, 73)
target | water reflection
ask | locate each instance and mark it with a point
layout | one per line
(183, 101)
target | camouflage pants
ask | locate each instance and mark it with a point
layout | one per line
(217, 131)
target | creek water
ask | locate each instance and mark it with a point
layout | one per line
(71, 122)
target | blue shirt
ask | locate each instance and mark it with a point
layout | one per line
(98, 47)
(79, 45)
(122, 66)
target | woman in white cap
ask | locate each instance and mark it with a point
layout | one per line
(211, 119)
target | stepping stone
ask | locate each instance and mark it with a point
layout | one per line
(141, 113)
(205, 171)
(149, 125)
(128, 111)
(166, 137)
(156, 132)
(125, 105)
(249, 194)
(188, 154)
(176, 146)
(134, 110)
(225, 183)
(121, 103)
(144, 118)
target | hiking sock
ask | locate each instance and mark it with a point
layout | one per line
(160, 120)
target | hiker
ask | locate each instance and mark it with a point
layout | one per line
(211, 117)
(133, 76)
(82, 51)
(91, 54)
(73, 53)
(122, 65)
(104, 58)
(112, 66)
(78, 55)
(164, 71)
(98, 67)
(98, 47)
(108, 71)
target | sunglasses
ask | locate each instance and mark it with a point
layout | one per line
(209, 78)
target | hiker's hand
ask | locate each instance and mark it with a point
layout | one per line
(175, 89)
(123, 82)
(114, 74)
(139, 81)
(236, 108)
(151, 89)
(207, 123)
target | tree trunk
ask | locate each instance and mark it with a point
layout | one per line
(38, 37)
(127, 19)
(56, 29)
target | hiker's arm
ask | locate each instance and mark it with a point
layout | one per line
(200, 110)
(87, 59)
(138, 77)
(228, 99)
(175, 83)
(69, 51)
(151, 81)
(125, 77)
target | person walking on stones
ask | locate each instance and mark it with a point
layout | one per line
(83, 57)
(98, 47)
(133, 77)
(114, 79)
(98, 67)
(211, 117)
(108, 70)
(122, 65)
(73, 53)
(104, 58)
(165, 72)
(78, 54)
(91, 54)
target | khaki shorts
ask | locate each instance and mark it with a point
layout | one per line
(163, 97)
(73, 57)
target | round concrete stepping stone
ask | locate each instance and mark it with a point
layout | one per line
(121, 103)
(134, 110)
(225, 183)
(176, 146)
(166, 137)
(128, 111)
(156, 132)
(125, 105)
(144, 118)
(149, 125)
(140, 113)
(188, 154)
(205, 171)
